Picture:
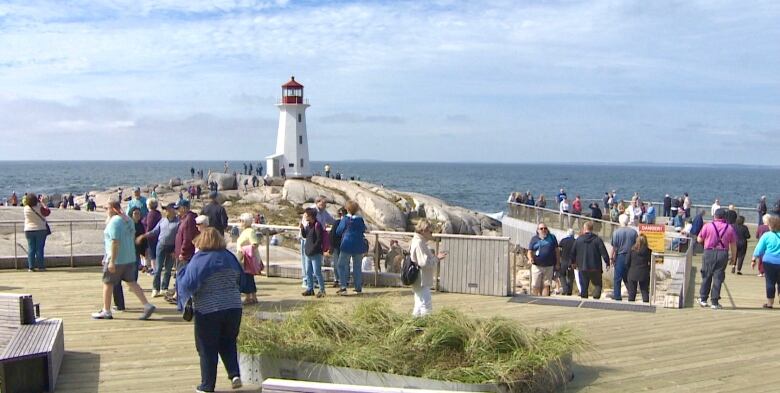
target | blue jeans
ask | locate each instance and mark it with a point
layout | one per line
(303, 264)
(314, 269)
(164, 262)
(619, 276)
(36, 242)
(215, 335)
(357, 270)
(336, 266)
(772, 278)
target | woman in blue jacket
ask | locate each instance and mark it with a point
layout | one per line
(211, 280)
(353, 246)
(768, 249)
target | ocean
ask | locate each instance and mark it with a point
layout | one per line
(480, 186)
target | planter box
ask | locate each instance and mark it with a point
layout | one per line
(255, 369)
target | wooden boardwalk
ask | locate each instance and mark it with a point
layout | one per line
(735, 349)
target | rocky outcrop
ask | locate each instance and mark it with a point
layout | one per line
(301, 191)
(174, 182)
(378, 210)
(455, 219)
(224, 181)
(262, 195)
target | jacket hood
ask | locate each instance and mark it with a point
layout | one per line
(589, 237)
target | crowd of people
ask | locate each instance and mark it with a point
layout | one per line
(579, 259)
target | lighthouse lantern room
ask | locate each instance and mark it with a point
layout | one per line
(292, 144)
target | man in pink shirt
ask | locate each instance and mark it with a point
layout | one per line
(720, 245)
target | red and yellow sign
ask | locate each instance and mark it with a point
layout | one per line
(655, 236)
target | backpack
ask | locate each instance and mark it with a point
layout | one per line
(409, 270)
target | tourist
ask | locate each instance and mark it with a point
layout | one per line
(622, 240)
(327, 171)
(120, 261)
(698, 223)
(353, 245)
(226, 167)
(561, 195)
(678, 221)
(720, 244)
(14, 199)
(565, 270)
(743, 234)
(250, 170)
(313, 250)
(667, 206)
(201, 222)
(760, 232)
(588, 252)
(185, 233)
(192, 172)
(595, 211)
(686, 205)
(423, 256)
(675, 207)
(529, 199)
(563, 209)
(638, 265)
(576, 206)
(715, 206)
(634, 212)
(138, 202)
(614, 213)
(541, 202)
(761, 209)
(140, 248)
(152, 218)
(260, 169)
(605, 203)
(218, 217)
(283, 173)
(153, 195)
(246, 184)
(164, 235)
(335, 245)
(211, 281)
(768, 249)
(36, 229)
(247, 238)
(544, 255)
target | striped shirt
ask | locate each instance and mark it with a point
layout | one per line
(218, 292)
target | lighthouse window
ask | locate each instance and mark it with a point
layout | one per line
(292, 165)
(300, 118)
(301, 162)
(300, 139)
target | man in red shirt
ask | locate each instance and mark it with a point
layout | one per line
(720, 245)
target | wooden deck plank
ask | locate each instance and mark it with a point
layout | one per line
(669, 351)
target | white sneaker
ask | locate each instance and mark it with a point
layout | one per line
(155, 293)
(102, 314)
(703, 303)
(236, 383)
(716, 307)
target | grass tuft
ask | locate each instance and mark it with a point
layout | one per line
(446, 345)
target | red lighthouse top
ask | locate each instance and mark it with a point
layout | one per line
(292, 92)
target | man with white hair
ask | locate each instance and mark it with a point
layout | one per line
(622, 241)
(715, 207)
(761, 209)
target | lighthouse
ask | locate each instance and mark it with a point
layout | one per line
(292, 143)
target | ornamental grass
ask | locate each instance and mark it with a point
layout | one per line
(446, 345)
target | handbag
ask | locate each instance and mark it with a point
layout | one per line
(188, 311)
(48, 228)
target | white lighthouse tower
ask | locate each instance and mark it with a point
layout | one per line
(292, 144)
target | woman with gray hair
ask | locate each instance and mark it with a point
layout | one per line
(423, 256)
(247, 238)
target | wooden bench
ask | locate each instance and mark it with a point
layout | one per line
(272, 385)
(31, 348)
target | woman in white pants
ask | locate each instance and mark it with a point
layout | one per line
(423, 256)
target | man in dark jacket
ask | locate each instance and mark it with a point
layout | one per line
(218, 218)
(566, 272)
(667, 206)
(589, 251)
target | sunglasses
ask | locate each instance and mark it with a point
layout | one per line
(543, 229)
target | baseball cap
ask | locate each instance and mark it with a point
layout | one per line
(182, 203)
(202, 220)
(137, 189)
(170, 206)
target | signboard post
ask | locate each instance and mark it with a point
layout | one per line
(655, 236)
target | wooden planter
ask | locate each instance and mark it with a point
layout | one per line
(256, 368)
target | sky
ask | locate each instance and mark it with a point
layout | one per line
(693, 81)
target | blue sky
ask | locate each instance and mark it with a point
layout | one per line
(500, 81)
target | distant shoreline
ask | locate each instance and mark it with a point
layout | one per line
(645, 164)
